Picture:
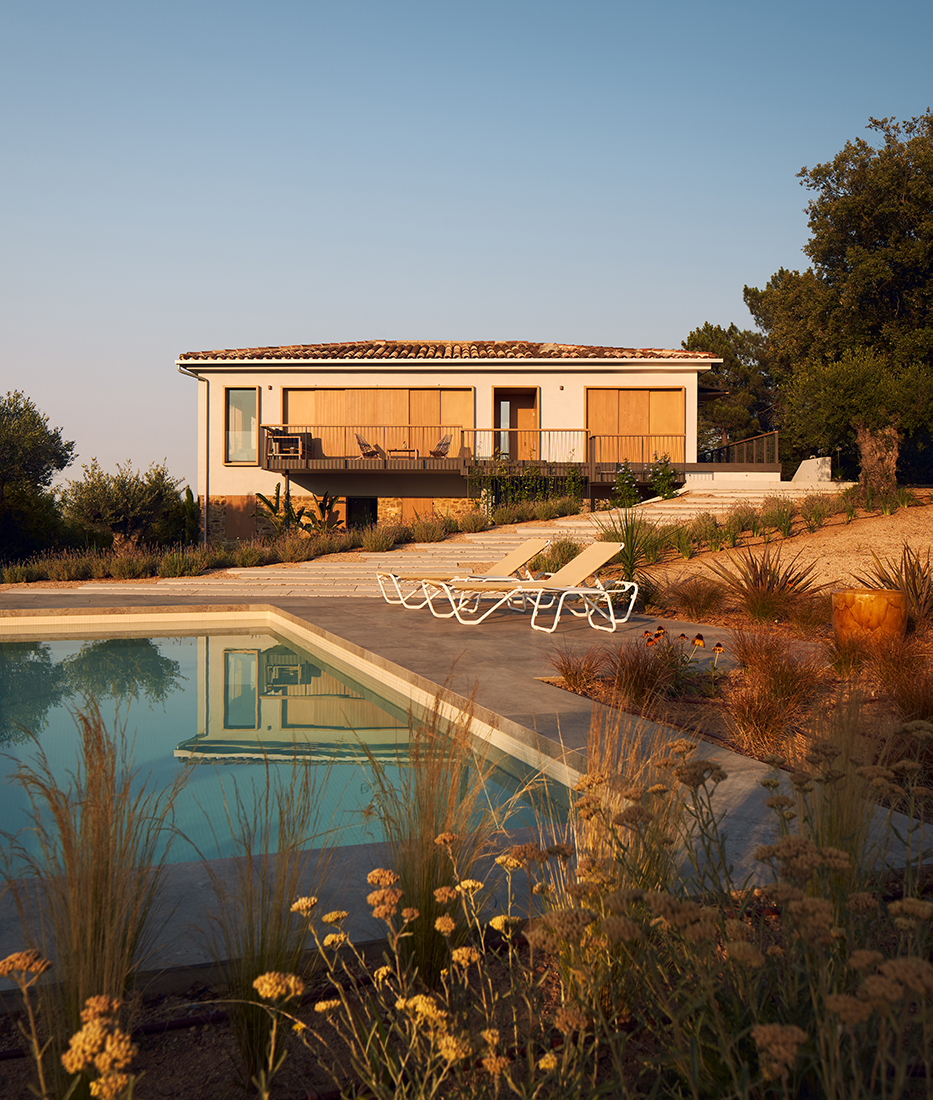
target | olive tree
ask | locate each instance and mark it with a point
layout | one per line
(133, 506)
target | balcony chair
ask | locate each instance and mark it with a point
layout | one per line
(565, 588)
(390, 584)
(442, 447)
(367, 450)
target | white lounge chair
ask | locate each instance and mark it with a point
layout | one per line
(390, 584)
(565, 588)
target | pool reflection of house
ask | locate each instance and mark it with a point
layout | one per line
(272, 701)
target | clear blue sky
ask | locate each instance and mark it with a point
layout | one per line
(206, 174)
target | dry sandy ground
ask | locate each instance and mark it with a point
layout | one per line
(839, 550)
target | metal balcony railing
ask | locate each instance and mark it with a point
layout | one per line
(756, 450)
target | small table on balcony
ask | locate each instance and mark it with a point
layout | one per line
(286, 446)
(412, 452)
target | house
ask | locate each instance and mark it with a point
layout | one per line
(397, 428)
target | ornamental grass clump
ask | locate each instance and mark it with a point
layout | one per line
(581, 669)
(440, 790)
(377, 540)
(695, 598)
(281, 846)
(777, 689)
(86, 872)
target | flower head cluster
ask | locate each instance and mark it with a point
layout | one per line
(907, 913)
(696, 773)
(102, 1046)
(798, 858)
(335, 917)
(569, 924)
(385, 902)
(382, 877)
(274, 986)
(22, 963)
(465, 956)
(304, 906)
(445, 894)
(777, 1047)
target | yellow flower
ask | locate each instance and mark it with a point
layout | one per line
(274, 986)
(383, 973)
(548, 1062)
(465, 956)
(24, 962)
(469, 886)
(304, 906)
(335, 917)
(452, 1048)
(326, 1006)
(445, 925)
(335, 939)
(381, 877)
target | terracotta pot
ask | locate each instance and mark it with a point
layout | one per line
(871, 612)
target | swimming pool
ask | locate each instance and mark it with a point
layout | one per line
(212, 703)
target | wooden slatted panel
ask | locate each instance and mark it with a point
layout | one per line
(457, 409)
(339, 713)
(413, 507)
(424, 407)
(666, 417)
(321, 410)
(602, 412)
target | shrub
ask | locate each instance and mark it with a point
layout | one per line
(555, 556)
(663, 476)
(695, 598)
(778, 513)
(377, 540)
(625, 489)
(134, 564)
(428, 530)
(682, 541)
(704, 530)
(904, 673)
(477, 520)
(546, 509)
(815, 510)
(21, 573)
(182, 562)
(745, 516)
(766, 587)
(249, 555)
(911, 575)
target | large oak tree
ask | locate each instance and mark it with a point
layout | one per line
(866, 303)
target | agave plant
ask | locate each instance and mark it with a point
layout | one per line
(911, 575)
(766, 586)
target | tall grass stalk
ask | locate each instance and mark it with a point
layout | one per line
(283, 849)
(85, 874)
(440, 792)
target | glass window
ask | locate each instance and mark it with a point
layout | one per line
(242, 443)
(241, 690)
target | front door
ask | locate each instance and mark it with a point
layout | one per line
(516, 418)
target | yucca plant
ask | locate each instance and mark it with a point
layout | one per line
(912, 575)
(766, 587)
(639, 538)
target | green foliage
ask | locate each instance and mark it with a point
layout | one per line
(279, 512)
(477, 520)
(134, 507)
(778, 512)
(378, 539)
(327, 518)
(31, 452)
(815, 510)
(663, 476)
(642, 542)
(746, 409)
(871, 284)
(192, 518)
(122, 669)
(625, 489)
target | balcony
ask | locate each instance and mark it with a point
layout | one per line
(287, 448)
(501, 452)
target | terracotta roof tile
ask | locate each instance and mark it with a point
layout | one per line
(446, 349)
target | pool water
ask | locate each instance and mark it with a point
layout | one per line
(214, 704)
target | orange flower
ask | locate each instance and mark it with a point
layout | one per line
(718, 648)
(698, 642)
